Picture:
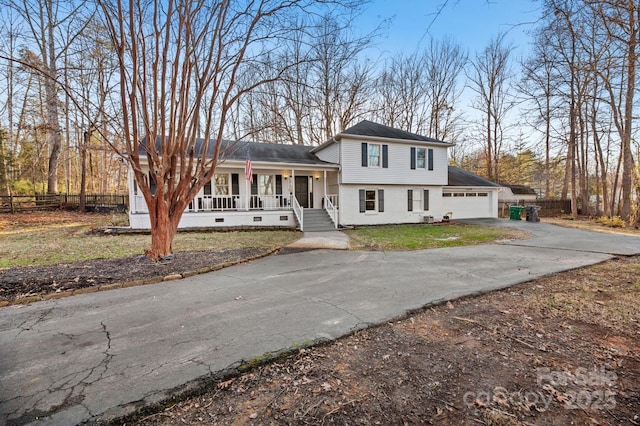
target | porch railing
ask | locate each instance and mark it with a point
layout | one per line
(333, 198)
(332, 210)
(218, 203)
(297, 210)
(221, 203)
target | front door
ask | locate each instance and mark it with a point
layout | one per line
(302, 191)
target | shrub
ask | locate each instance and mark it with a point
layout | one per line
(611, 222)
(22, 187)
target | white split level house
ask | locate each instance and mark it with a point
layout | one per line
(369, 174)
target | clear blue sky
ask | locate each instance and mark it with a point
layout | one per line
(471, 23)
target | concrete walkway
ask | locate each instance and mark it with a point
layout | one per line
(335, 240)
(95, 356)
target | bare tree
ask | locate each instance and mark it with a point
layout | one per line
(180, 63)
(8, 36)
(403, 93)
(565, 41)
(489, 78)
(53, 27)
(539, 88)
(621, 23)
(445, 62)
(419, 92)
(339, 82)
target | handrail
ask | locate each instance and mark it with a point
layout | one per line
(333, 198)
(331, 209)
(297, 210)
(221, 203)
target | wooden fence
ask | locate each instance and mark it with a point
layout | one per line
(93, 202)
(548, 207)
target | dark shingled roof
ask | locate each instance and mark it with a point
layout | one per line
(369, 128)
(278, 153)
(521, 190)
(268, 152)
(460, 177)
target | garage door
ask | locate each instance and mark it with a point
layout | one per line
(469, 204)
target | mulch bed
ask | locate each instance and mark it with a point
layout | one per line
(25, 282)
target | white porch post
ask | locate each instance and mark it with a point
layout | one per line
(324, 181)
(292, 189)
(247, 191)
(133, 208)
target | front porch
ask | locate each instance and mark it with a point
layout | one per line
(271, 198)
(273, 195)
(273, 211)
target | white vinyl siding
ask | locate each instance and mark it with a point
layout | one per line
(330, 154)
(395, 205)
(399, 166)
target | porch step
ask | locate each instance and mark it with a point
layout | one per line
(317, 220)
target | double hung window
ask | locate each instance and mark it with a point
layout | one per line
(375, 155)
(421, 158)
(371, 200)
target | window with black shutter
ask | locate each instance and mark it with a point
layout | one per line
(385, 156)
(365, 154)
(413, 158)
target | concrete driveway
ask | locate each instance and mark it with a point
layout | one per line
(95, 356)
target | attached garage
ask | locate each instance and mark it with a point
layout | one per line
(469, 196)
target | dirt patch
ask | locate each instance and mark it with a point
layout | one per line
(564, 349)
(24, 282)
(591, 225)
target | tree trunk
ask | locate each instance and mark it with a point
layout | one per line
(53, 130)
(489, 153)
(627, 156)
(4, 182)
(83, 171)
(164, 225)
(547, 142)
(583, 163)
(603, 170)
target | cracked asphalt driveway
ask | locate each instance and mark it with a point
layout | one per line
(96, 356)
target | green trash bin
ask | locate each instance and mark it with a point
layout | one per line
(515, 212)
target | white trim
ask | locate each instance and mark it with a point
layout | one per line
(393, 140)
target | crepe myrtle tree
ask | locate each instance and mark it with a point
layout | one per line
(183, 64)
